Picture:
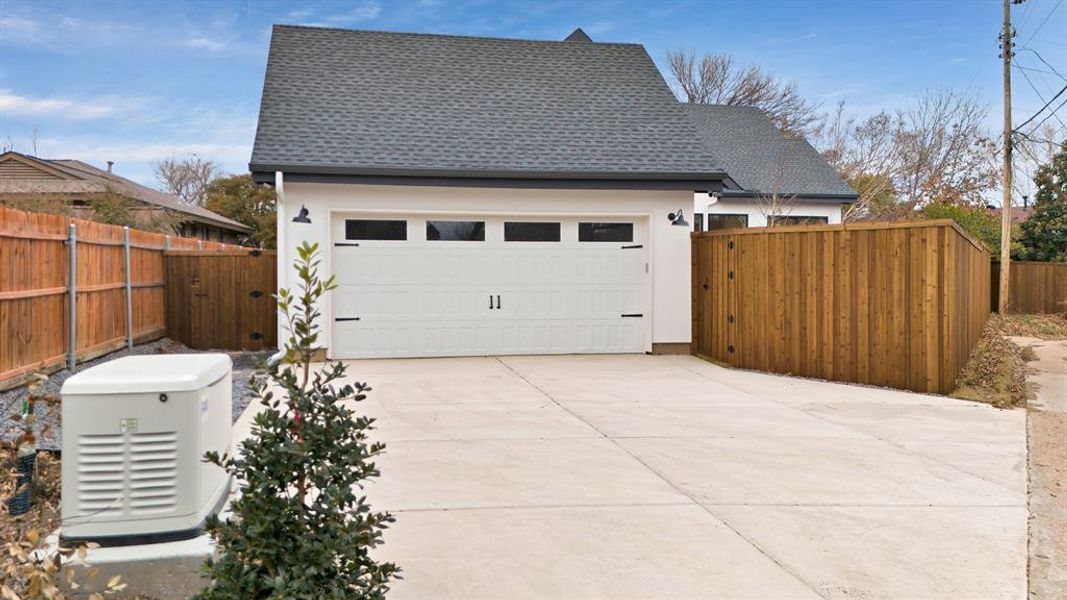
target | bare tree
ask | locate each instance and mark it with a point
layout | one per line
(775, 202)
(716, 79)
(187, 178)
(943, 150)
(935, 149)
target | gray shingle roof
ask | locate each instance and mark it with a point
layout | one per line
(378, 103)
(88, 179)
(759, 158)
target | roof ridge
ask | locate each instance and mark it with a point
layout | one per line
(439, 35)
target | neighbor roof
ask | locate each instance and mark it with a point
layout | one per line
(760, 159)
(78, 177)
(339, 101)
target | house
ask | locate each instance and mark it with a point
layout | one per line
(480, 196)
(772, 179)
(80, 186)
(1018, 214)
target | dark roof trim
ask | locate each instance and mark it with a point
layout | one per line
(844, 198)
(463, 174)
(594, 183)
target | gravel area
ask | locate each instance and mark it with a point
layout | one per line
(244, 365)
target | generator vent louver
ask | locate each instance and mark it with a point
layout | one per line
(153, 471)
(100, 473)
(151, 461)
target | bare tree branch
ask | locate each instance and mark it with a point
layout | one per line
(716, 79)
(187, 178)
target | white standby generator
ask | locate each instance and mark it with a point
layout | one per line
(135, 431)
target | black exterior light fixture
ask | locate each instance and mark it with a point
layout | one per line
(677, 218)
(303, 216)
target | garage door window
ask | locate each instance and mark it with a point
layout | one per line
(605, 232)
(461, 231)
(375, 229)
(531, 232)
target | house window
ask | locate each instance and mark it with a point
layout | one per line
(726, 221)
(531, 232)
(698, 222)
(465, 231)
(605, 232)
(375, 229)
(776, 220)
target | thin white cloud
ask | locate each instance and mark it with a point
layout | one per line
(205, 43)
(365, 11)
(13, 104)
(18, 29)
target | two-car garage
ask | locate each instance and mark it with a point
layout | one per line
(467, 284)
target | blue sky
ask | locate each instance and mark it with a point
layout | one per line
(136, 81)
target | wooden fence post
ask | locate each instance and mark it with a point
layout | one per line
(129, 290)
(72, 290)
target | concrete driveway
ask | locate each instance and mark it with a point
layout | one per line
(643, 476)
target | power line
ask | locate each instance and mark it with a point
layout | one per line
(1042, 121)
(1047, 17)
(1034, 87)
(1040, 110)
(1042, 59)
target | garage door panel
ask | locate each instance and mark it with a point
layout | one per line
(451, 298)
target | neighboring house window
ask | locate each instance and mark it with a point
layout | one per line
(462, 231)
(375, 229)
(796, 220)
(698, 222)
(605, 232)
(724, 221)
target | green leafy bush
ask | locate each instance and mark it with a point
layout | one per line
(300, 529)
(1044, 234)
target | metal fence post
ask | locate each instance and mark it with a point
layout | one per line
(72, 287)
(129, 288)
(166, 242)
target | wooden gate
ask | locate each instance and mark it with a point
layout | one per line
(222, 300)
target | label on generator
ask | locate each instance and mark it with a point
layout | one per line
(128, 426)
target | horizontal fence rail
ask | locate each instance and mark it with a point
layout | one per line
(72, 290)
(890, 304)
(1036, 287)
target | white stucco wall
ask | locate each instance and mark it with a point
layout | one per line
(668, 245)
(756, 217)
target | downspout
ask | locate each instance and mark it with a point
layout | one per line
(279, 206)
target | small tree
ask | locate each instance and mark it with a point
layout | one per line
(187, 178)
(1044, 233)
(299, 529)
(239, 198)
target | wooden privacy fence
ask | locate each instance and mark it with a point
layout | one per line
(891, 304)
(115, 275)
(222, 299)
(1036, 287)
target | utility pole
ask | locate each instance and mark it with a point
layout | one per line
(1006, 45)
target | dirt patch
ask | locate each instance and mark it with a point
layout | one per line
(997, 369)
(1047, 469)
(1045, 327)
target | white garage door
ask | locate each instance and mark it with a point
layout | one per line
(460, 286)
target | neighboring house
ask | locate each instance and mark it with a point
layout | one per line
(1019, 214)
(479, 196)
(772, 179)
(79, 185)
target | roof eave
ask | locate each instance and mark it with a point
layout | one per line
(802, 196)
(485, 174)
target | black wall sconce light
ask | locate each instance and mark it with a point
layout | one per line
(303, 216)
(677, 218)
